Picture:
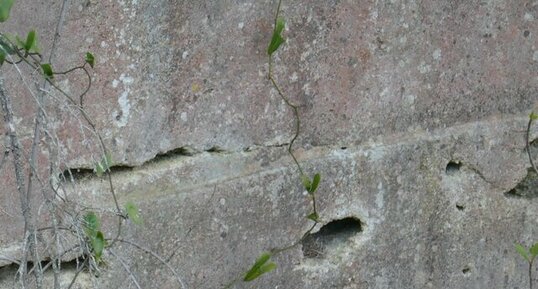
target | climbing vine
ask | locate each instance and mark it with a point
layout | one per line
(529, 254)
(263, 263)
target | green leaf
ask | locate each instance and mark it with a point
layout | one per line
(523, 252)
(34, 48)
(19, 42)
(47, 70)
(268, 267)
(30, 41)
(533, 116)
(262, 270)
(132, 213)
(90, 59)
(306, 182)
(99, 170)
(5, 8)
(98, 243)
(104, 165)
(260, 267)
(276, 39)
(95, 236)
(2, 56)
(534, 250)
(91, 224)
(314, 217)
(315, 183)
(107, 160)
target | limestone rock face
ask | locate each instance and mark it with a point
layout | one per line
(413, 112)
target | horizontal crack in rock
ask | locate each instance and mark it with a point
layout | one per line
(76, 174)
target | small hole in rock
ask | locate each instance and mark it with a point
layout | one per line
(466, 270)
(452, 167)
(460, 207)
(343, 148)
(332, 235)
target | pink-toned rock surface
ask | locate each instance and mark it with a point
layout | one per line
(405, 86)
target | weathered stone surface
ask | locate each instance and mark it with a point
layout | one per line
(172, 74)
(413, 111)
(423, 227)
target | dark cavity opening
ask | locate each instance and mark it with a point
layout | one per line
(332, 235)
(216, 149)
(177, 152)
(527, 188)
(77, 174)
(453, 167)
(466, 270)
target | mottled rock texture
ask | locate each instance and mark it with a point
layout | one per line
(414, 113)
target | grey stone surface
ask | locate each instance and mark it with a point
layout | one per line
(390, 94)
(423, 227)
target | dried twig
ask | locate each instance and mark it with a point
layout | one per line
(126, 267)
(16, 148)
(156, 256)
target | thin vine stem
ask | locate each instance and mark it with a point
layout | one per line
(531, 161)
(528, 145)
(294, 108)
(297, 130)
(530, 275)
(276, 251)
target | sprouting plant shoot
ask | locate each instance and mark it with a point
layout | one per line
(276, 39)
(529, 255)
(260, 267)
(104, 165)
